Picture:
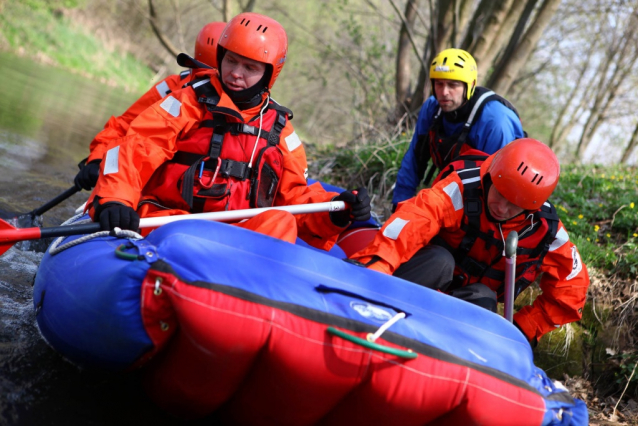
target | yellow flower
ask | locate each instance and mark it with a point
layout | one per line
(596, 228)
(600, 204)
(608, 235)
(574, 222)
(612, 177)
(632, 205)
(597, 240)
(580, 216)
(588, 239)
(602, 175)
(635, 235)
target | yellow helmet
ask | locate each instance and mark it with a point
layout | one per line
(455, 64)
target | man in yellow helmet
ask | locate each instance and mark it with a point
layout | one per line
(458, 117)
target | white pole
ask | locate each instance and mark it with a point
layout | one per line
(226, 216)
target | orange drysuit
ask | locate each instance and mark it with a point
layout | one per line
(440, 211)
(154, 138)
(117, 127)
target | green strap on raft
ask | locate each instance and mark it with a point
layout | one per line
(371, 345)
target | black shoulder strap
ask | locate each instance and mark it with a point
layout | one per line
(277, 127)
(468, 162)
(278, 107)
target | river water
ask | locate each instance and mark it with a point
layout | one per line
(47, 120)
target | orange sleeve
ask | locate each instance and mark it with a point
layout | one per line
(316, 228)
(150, 141)
(415, 222)
(564, 285)
(117, 127)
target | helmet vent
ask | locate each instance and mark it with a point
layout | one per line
(539, 181)
(519, 168)
(444, 61)
(244, 20)
(460, 64)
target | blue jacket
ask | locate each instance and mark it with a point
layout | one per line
(495, 127)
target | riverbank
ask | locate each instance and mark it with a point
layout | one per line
(42, 31)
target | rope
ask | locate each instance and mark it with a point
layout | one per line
(117, 232)
(372, 337)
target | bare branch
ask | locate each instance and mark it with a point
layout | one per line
(164, 40)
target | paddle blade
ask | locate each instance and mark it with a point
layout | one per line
(9, 235)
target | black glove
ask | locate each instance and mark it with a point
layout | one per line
(88, 174)
(113, 215)
(358, 203)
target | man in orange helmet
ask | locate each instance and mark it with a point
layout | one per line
(116, 127)
(451, 238)
(221, 143)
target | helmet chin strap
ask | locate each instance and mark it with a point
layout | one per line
(487, 184)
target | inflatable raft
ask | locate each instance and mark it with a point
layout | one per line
(251, 330)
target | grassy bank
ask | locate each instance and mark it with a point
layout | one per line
(38, 29)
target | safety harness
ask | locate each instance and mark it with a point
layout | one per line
(197, 164)
(534, 241)
(443, 149)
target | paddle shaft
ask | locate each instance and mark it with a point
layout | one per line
(10, 235)
(510, 275)
(54, 202)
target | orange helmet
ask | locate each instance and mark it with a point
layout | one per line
(525, 172)
(256, 37)
(206, 43)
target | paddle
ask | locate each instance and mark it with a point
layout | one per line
(9, 235)
(27, 218)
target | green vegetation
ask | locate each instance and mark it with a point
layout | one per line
(599, 206)
(38, 29)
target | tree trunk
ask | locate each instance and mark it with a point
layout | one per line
(633, 141)
(476, 24)
(514, 62)
(404, 51)
(500, 40)
(227, 10)
(491, 28)
(442, 27)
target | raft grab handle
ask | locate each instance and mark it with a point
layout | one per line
(409, 354)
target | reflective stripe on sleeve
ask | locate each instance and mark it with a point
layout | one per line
(292, 141)
(162, 89)
(171, 106)
(453, 191)
(393, 230)
(561, 238)
(111, 162)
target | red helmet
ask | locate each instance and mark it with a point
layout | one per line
(206, 43)
(256, 37)
(525, 172)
